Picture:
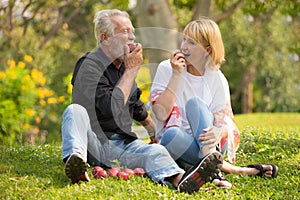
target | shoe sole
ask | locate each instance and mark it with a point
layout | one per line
(76, 169)
(207, 169)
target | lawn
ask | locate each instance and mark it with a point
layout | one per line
(36, 171)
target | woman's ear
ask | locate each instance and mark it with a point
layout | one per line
(208, 49)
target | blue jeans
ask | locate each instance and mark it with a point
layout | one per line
(77, 136)
(185, 148)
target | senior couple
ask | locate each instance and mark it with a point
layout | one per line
(190, 98)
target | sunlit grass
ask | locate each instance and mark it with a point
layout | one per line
(269, 121)
(37, 172)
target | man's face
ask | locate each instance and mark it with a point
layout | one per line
(123, 34)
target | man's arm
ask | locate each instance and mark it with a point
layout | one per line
(150, 126)
(133, 61)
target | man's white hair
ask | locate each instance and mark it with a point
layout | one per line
(103, 24)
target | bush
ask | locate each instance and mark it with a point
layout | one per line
(25, 100)
(143, 81)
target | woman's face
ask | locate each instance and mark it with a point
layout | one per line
(195, 54)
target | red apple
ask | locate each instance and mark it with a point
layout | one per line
(139, 171)
(181, 55)
(99, 172)
(123, 175)
(113, 172)
(130, 172)
(132, 46)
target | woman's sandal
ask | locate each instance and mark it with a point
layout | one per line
(220, 178)
(262, 171)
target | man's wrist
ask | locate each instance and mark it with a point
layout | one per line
(151, 134)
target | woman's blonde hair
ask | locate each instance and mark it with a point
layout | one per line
(207, 33)
(103, 24)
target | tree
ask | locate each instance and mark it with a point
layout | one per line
(161, 17)
(248, 50)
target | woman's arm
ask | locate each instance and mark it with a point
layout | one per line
(163, 104)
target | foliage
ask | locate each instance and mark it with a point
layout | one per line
(143, 81)
(56, 33)
(25, 100)
(262, 40)
(37, 172)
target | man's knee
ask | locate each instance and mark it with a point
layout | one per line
(75, 109)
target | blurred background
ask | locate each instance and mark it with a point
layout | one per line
(41, 40)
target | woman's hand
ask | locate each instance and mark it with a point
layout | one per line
(212, 136)
(177, 61)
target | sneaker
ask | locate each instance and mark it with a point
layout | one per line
(204, 172)
(76, 168)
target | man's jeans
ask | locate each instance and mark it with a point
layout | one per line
(77, 136)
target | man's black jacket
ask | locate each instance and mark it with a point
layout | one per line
(94, 87)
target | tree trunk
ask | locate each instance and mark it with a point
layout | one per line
(247, 93)
(157, 31)
(202, 8)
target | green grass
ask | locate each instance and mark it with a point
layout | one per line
(36, 172)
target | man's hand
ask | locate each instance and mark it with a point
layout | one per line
(153, 140)
(149, 125)
(134, 59)
(133, 62)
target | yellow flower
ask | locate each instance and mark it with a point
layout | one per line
(11, 73)
(42, 81)
(43, 102)
(44, 92)
(38, 77)
(145, 96)
(23, 88)
(52, 100)
(48, 92)
(37, 119)
(28, 58)
(27, 77)
(21, 65)
(26, 126)
(11, 63)
(36, 74)
(29, 112)
(40, 92)
(61, 99)
(2, 75)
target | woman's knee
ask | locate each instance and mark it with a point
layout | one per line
(195, 104)
(169, 135)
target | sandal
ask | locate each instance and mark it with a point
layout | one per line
(262, 170)
(221, 179)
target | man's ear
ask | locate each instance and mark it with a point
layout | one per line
(103, 36)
